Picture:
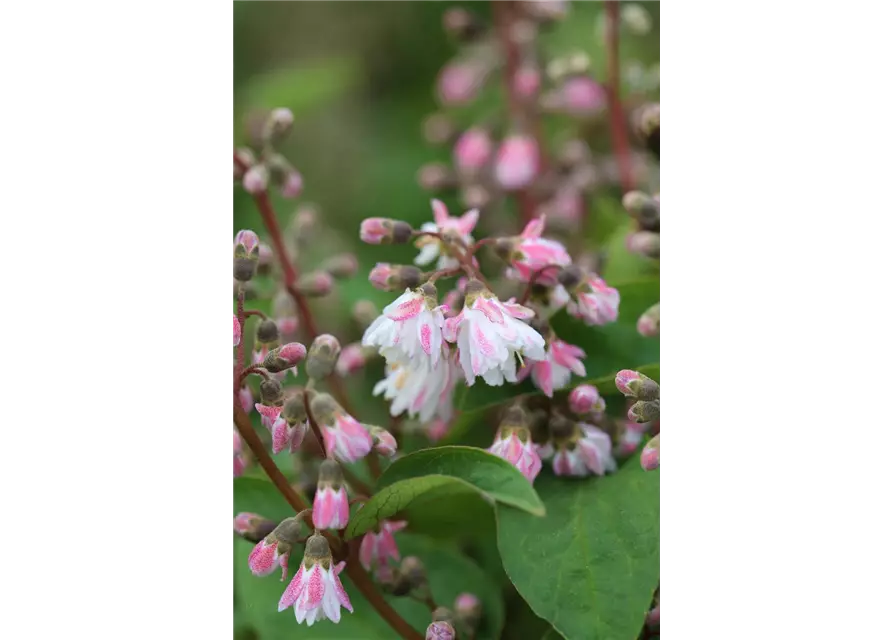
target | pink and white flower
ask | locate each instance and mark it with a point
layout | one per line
(582, 399)
(376, 548)
(491, 337)
(422, 393)
(554, 372)
(238, 459)
(331, 509)
(286, 436)
(517, 162)
(472, 151)
(316, 592)
(587, 452)
(594, 302)
(533, 253)
(267, 555)
(409, 329)
(246, 399)
(431, 247)
(514, 445)
(237, 331)
(344, 437)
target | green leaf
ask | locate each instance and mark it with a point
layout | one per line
(591, 567)
(450, 573)
(257, 495)
(432, 474)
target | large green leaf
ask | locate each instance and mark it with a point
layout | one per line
(591, 567)
(450, 573)
(432, 474)
(476, 427)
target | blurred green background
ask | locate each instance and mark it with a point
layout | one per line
(360, 78)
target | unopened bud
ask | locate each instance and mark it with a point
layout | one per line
(322, 356)
(649, 322)
(435, 176)
(388, 277)
(635, 18)
(468, 609)
(267, 332)
(303, 224)
(644, 208)
(462, 24)
(636, 385)
(644, 411)
(255, 179)
(650, 458)
(583, 399)
(385, 231)
(342, 266)
(438, 128)
(644, 243)
(382, 440)
(414, 571)
(294, 411)
(352, 359)
(316, 284)
(284, 357)
(571, 276)
(322, 406)
(364, 312)
(278, 125)
(517, 162)
(288, 531)
(252, 526)
(526, 81)
(472, 151)
(440, 630)
(271, 394)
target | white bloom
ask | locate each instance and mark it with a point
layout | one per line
(316, 592)
(491, 338)
(409, 329)
(420, 392)
(431, 247)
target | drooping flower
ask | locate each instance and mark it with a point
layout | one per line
(377, 547)
(530, 254)
(515, 445)
(554, 372)
(330, 505)
(585, 450)
(517, 162)
(594, 302)
(410, 328)
(285, 435)
(343, 435)
(316, 592)
(491, 337)
(421, 393)
(459, 228)
(274, 549)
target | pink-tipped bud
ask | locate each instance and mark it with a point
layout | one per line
(343, 265)
(316, 284)
(644, 243)
(278, 125)
(623, 380)
(581, 95)
(256, 179)
(440, 630)
(458, 83)
(473, 150)
(644, 411)
(292, 185)
(252, 526)
(468, 609)
(395, 277)
(437, 429)
(351, 360)
(284, 357)
(651, 454)
(382, 441)
(237, 331)
(636, 385)
(649, 322)
(246, 244)
(526, 81)
(583, 399)
(384, 231)
(517, 162)
(323, 355)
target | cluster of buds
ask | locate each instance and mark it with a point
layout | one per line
(646, 393)
(258, 170)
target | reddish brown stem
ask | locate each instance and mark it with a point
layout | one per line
(258, 370)
(240, 315)
(618, 126)
(353, 569)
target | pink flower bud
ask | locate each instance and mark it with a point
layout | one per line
(384, 231)
(622, 380)
(383, 442)
(292, 185)
(243, 522)
(379, 276)
(316, 284)
(582, 399)
(440, 630)
(282, 118)
(284, 357)
(648, 324)
(651, 454)
(341, 266)
(256, 179)
(636, 385)
(391, 277)
(526, 81)
(248, 241)
(237, 331)
(583, 95)
(437, 429)
(351, 360)
(644, 243)
(238, 460)
(330, 505)
(468, 608)
(473, 150)
(517, 162)
(458, 83)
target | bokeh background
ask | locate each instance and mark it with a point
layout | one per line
(360, 80)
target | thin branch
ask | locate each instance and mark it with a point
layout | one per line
(256, 370)
(618, 126)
